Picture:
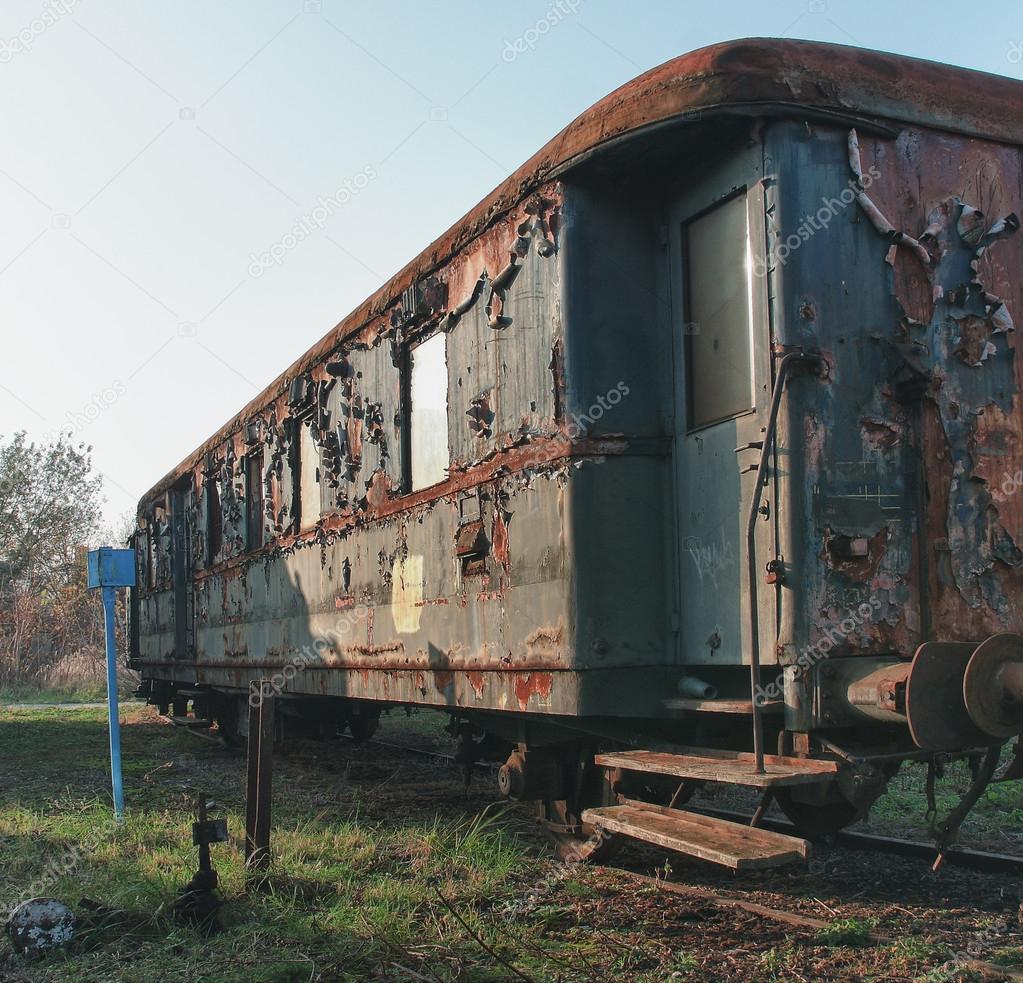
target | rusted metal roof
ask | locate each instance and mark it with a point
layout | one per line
(756, 76)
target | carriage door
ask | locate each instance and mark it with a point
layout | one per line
(181, 574)
(722, 386)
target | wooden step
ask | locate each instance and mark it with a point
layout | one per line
(723, 706)
(717, 840)
(728, 767)
(197, 723)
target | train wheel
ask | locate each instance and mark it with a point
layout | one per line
(574, 842)
(362, 725)
(226, 711)
(589, 787)
(818, 818)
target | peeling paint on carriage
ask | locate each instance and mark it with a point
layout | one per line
(965, 345)
(542, 574)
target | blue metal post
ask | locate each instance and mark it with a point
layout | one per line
(109, 569)
(110, 626)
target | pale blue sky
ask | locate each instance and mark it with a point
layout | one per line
(152, 151)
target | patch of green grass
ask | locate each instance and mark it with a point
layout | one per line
(1011, 955)
(993, 823)
(54, 694)
(774, 962)
(844, 932)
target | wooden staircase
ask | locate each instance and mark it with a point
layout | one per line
(719, 841)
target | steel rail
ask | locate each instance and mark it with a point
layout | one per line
(982, 860)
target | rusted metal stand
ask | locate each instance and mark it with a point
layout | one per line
(258, 789)
(199, 903)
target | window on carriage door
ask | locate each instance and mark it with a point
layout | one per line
(718, 313)
(427, 412)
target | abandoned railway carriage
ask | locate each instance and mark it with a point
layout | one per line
(693, 453)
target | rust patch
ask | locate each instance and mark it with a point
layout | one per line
(973, 346)
(499, 540)
(880, 435)
(856, 558)
(379, 490)
(545, 641)
(477, 680)
(354, 433)
(537, 684)
(391, 648)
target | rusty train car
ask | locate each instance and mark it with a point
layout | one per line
(691, 454)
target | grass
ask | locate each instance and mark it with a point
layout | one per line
(54, 694)
(845, 932)
(995, 823)
(359, 884)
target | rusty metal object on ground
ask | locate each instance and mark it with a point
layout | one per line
(40, 924)
(198, 904)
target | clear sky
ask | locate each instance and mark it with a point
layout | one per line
(155, 154)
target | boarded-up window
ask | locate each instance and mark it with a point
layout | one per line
(428, 394)
(254, 499)
(150, 556)
(309, 506)
(718, 313)
(214, 519)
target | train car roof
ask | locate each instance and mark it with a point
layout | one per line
(758, 77)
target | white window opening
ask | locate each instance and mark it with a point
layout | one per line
(428, 410)
(309, 507)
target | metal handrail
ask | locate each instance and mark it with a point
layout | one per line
(784, 367)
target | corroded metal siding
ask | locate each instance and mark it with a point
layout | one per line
(545, 573)
(900, 463)
(370, 598)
